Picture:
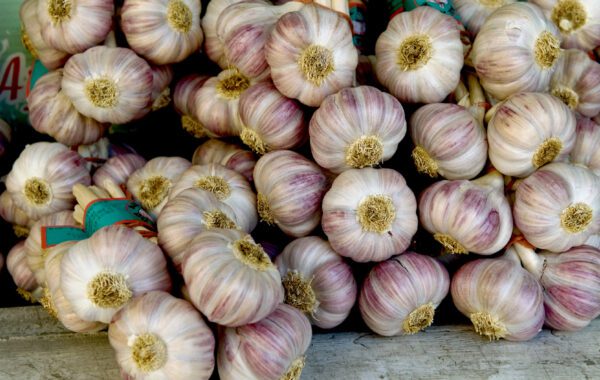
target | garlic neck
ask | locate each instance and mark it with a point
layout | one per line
(299, 292)
(295, 370)
(251, 254)
(487, 325)
(419, 319)
(109, 290)
(534, 263)
(569, 15)
(149, 352)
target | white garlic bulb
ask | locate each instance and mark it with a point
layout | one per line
(528, 131)
(317, 281)
(576, 82)
(102, 274)
(185, 104)
(111, 85)
(311, 54)
(41, 179)
(448, 141)
(473, 13)
(213, 45)
(14, 215)
(577, 20)
(272, 349)
(229, 155)
(468, 216)
(355, 128)
(400, 295)
(118, 169)
(369, 214)
(558, 206)
(289, 191)
(419, 56)
(163, 31)
(587, 145)
(270, 120)
(152, 183)
(230, 278)
(16, 263)
(516, 50)
(157, 336)
(74, 26)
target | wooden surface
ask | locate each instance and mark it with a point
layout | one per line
(33, 346)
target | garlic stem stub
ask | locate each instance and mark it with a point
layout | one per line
(586, 152)
(473, 13)
(183, 99)
(355, 128)
(231, 156)
(419, 56)
(118, 169)
(23, 277)
(369, 214)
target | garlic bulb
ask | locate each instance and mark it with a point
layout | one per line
(229, 155)
(213, 45)
(16, 263)
(577, 20)
(283, 337)
(230, 278)
(473, 13)
(289, 191)
(558, 206)
(184, 101)
(355, 128)
(571, 282)
(270, 120)
(118, 169)
(41, 179)
(576, 82)
(163, 31)
(400, 295)
(311, 54)
(587, 142)
(317, 281)
(152, 183)
(111, 85)
(516, 50)
(502, 299)
(14, 215)
(419, 56)
(157, 336)
(102, 274)
(52, 112)
(528, 131)
(191, 212)
(468, 216)
(448, 141)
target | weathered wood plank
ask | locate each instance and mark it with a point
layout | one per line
(33, 346)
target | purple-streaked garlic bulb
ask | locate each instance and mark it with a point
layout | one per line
(111, 85)
(448, 140)
(231, 156)
(289, 191)
(558, 206)
(586, 151)
(16, 263)
(502, 300)
(162, 31)
(230, 278)
(270, 120)
(317, 281)
(355, 128)
(158, 336)
(400, 295)
(571, 282)
(42, 178)
(473, 13)
(528, 131)
(468, 216)
(118, 169)
(283, 337)
(102, 274)
(14, 215)
(369, 214)
(152, 183)
(185, 104)
(311, 54)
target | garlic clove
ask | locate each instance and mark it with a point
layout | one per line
(23, 277)
(118, 169)
(229, 155)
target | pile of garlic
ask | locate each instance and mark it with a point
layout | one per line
(504, 135)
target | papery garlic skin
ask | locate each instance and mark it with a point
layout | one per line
(355, 128)
(16, 263)
(229, 155)
(528, 131)
(162, 76)
(400, 295)
(317, 281)
(558, 206)
(14, 215)
(468, 216)
(110, 85)
(289, 191)
(587, 145)
(252, 289)
(283, 337)
(593, 241)
(213, 45)
(184, 101)
(118, 169)
(516, 50)
(369, 214)
(158, 336)
(311, 54)
(42, 177)
(473, 13)
(577, 20)
(101, 274)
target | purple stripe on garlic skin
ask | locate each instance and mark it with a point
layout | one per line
(118, 169)
(473, 13)
(586, 152)
(229, 155)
